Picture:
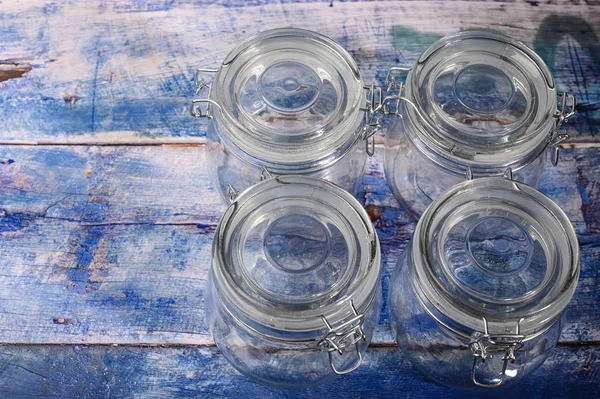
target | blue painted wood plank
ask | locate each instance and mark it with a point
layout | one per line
(121, 71)
(112, 244)
(162, 373)
(103, 185)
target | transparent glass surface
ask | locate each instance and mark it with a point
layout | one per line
(294, 259)
(492, 261)
(226, 167)
(482, 102)
(416, 179)
(288, 100)
(286, 363)
(445, 357)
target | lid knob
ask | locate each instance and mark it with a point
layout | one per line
(289, 86)
(483, 89)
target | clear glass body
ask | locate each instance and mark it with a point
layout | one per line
(288, 100)
(226, 167)
(475, 103)
(294, 292)
(416, 179)
(477, 299)
(444, 356)
(281, 363)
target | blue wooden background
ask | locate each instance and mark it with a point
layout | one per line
(107, 213)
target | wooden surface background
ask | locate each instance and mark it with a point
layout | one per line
(107, 213)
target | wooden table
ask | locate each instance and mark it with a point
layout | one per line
(107, 212)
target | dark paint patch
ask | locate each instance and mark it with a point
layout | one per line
(178, 251)
(588, 107)
(13, 70)
(86, 244)
(405, 38)
(62, 320)
(589, 191)
(374, 212)
(205, 228)
(10, 222)
(554, 28)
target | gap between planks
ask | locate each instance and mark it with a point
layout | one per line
(583, 142)
(212, 344)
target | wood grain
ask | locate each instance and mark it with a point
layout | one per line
(162, 373)
(112, 244)
(121, 71)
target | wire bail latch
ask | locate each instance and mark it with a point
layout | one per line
(339, 338)
(565, 111)
(482, 346)
(379, 103)
(196, 108)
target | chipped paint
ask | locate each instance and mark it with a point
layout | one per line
(128, 66)
(13, 70)
(130, 245)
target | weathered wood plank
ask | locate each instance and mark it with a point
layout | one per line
(121, 71)
(162, 373)
(96, 185)
(112, 244)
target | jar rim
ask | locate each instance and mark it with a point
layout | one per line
(467, 302)
(277, 313)
(322, 121)
(481, 139)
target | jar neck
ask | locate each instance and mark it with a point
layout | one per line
(299, 339)
(304, 160)
(468, 142)
(457, 328)
(454, 162)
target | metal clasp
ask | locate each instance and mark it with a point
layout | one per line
(482, 345)
(379, 103)
(265, 174)
(389, 104)
(565, 111)
(372, 123)
(390, 79)
(343, 336)
(200, 84)
(568, 105)
(232, 193)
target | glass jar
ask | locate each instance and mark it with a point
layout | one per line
(475, 103)
(478, 297)
(294, 294)
(288, 100)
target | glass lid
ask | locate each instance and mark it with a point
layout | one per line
(292, 249)
(483, 98)
(289, 96)
(496, 249)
